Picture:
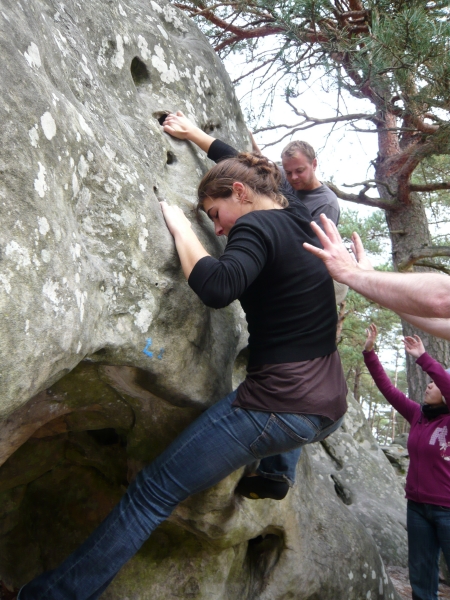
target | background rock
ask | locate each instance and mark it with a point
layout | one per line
(107, 354)
(398, 456)
(352, 462)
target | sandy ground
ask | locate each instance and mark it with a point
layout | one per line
(399, 577)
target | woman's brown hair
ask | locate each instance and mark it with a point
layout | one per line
(253, 170)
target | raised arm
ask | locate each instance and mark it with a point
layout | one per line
(406, 407)
(437, 373)
(421, 294)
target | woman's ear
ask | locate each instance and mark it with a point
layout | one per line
(241, 192)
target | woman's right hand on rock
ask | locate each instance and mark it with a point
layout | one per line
(371, 337)
(179, 126)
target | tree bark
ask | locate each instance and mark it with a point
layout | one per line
(408, 227)
(356, 384)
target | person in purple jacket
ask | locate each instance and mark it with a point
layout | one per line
(428, 480)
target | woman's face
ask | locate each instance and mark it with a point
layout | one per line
(433, 394)
(224, 212)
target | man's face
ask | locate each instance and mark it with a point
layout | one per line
(300, 172)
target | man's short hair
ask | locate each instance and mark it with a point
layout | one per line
(298, 146)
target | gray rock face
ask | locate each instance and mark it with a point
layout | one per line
(87, 264)
(364, 479)
(398, 456)
(106, 353)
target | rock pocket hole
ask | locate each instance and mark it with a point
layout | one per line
(139, 72)
(263, 553)
(209, 127)
(170, 158)
(105, 437)
(161, 115)
(341, 492)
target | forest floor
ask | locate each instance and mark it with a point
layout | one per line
(400, 579)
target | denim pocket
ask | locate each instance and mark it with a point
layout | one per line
(278, 437)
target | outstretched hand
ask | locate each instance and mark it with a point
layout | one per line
(178, 125)
(371, 337)
(414, 346)
(334, 254)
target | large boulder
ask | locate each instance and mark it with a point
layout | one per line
(106, 353)
(87, 266)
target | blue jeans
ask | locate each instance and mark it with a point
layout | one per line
(281, 467)
(428, 533)
(223, 439)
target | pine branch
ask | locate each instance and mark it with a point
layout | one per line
(239, 33)
(248, 35)
(350, 117)
(243, 34)
(425, 252)
(362, 198)
(430, 187)
(261, 66)
(371, 183)
(309, 122)
(436, 266)
(423, 127)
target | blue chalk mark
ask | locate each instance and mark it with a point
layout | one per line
(146, 349)
(161, 352)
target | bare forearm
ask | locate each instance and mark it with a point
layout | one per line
(421, 294)
(200, 138)
(437, 327)
(188, 246)
(189, 249)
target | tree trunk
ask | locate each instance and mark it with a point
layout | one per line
(358, 372)
(341, 318)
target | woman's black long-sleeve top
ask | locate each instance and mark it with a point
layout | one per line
(285, 291)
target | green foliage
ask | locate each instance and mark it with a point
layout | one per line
(437, 203)
(357, 314)
(411, 44)
(373, 229)
(399, 48)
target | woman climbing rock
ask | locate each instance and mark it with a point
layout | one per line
(294, 393)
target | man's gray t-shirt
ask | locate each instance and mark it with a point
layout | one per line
(320, 200)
